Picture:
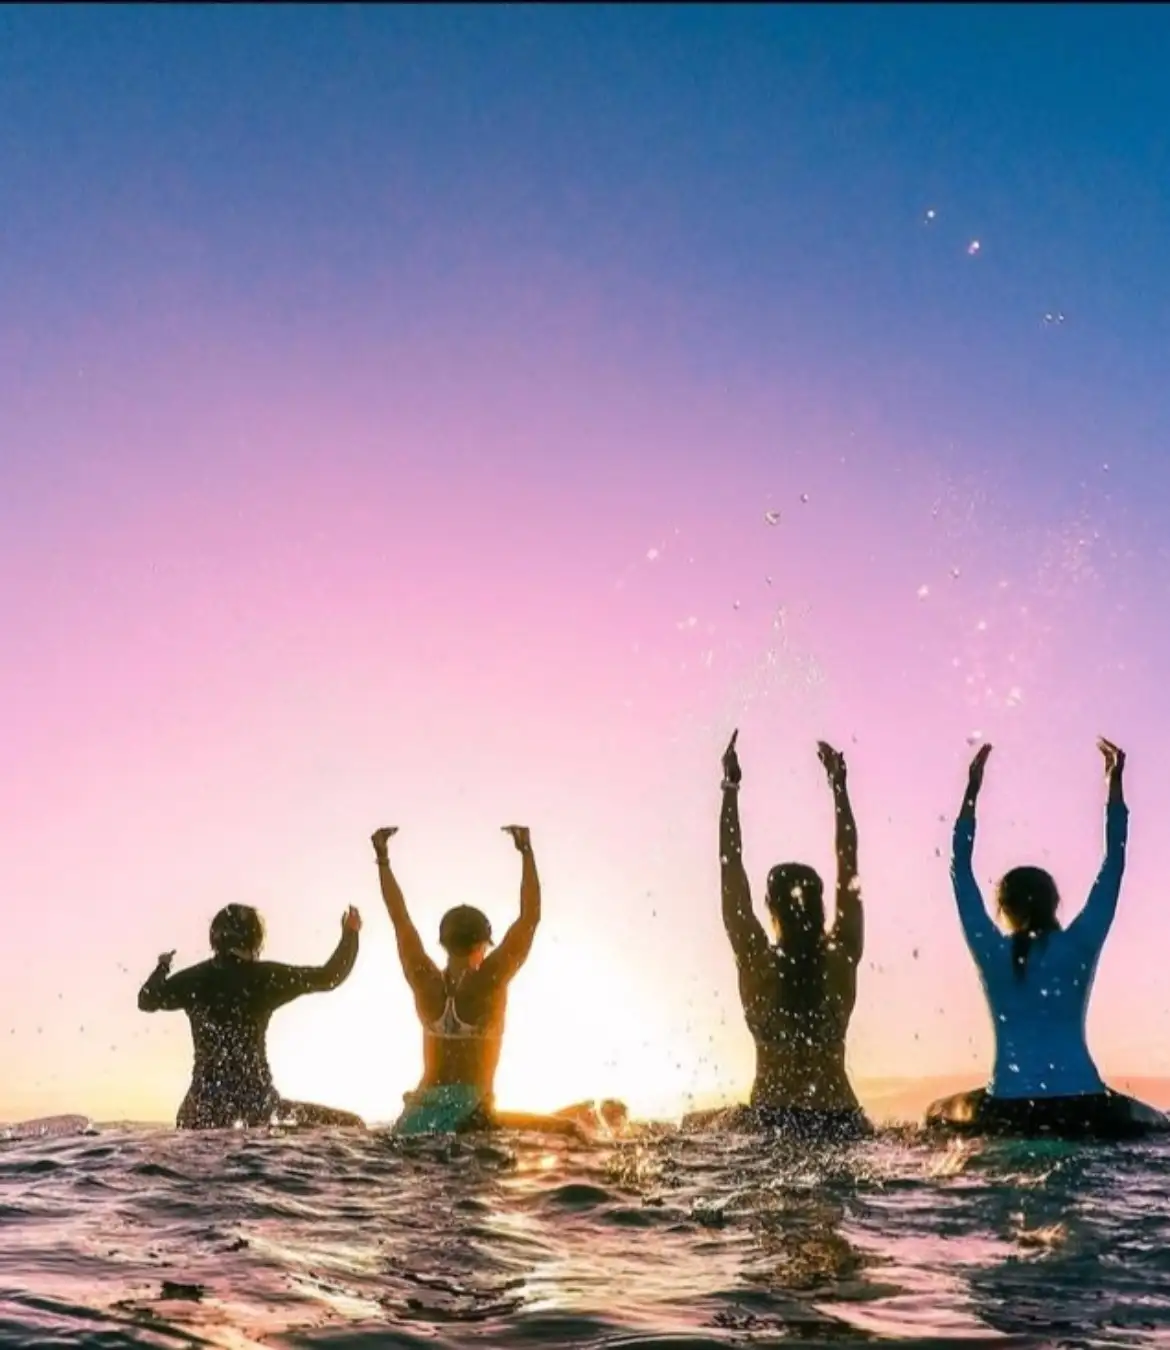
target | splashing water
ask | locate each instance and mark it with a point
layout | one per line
(153, 1238)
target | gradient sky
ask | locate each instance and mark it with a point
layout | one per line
(390, 406)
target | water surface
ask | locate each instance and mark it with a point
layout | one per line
(136, 1237)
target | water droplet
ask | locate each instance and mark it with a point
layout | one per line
(772, 517)
(768, 581)
(955, 573)
(651, 554)
(973, 248)
(1015, 696)
(981, 626)
(804, 498)
(923, 591)
(931, 214)
(974, 738)
(735, 604)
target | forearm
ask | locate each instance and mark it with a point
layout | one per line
(405, 933)
(150, 996)
(392, 896)
(846, 834)
(969, 803)
(1116, 796)
(730, 839)
(336, 970)
(735, 890)
(968, 898)
(529, 889)
(1116, 830)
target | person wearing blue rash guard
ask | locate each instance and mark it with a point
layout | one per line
(1037, 978)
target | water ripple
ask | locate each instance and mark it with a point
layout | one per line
(150, 1238)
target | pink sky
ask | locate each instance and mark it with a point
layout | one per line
(261, 594)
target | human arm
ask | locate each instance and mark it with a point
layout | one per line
(161, 993)
(980, 932)
(516, 943)
(417, 966)
(745, 932)
(1092, 924)
(284, 983)
(849, 923)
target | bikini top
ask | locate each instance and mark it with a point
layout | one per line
(450, 1026)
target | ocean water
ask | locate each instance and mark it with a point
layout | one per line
(144, 1237)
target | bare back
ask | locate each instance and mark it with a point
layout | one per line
(799, 1021)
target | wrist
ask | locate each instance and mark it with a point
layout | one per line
(728, 785)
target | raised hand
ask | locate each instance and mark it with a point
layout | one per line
(351, 921)
(833, 761)
(732, 773)
(380, 838)
(975, 772)
(165, 961)
(1114, 757)
(520, 837)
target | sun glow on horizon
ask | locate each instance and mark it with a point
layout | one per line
(613, 1040)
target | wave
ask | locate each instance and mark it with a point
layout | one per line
(156, 1238)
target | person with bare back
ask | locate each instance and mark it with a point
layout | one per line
(462, 1007)
(1037, 978)
(798, 993)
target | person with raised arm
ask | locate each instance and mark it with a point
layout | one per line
(1037, 978)
(462, 1007)
(229, 1001)
(797, 993)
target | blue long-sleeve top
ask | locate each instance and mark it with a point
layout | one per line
(1039, 1019)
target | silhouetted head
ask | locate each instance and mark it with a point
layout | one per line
(1028, 900)
(466, 933)
(237, 930)
(796, 902)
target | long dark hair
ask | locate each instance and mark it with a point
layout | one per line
(796, 902)
(1028, 899)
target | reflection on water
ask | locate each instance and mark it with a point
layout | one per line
(149, 1238)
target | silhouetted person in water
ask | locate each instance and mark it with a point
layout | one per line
(462, 1007)
(799, 994)
(229, 1001)
(1037, 978)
